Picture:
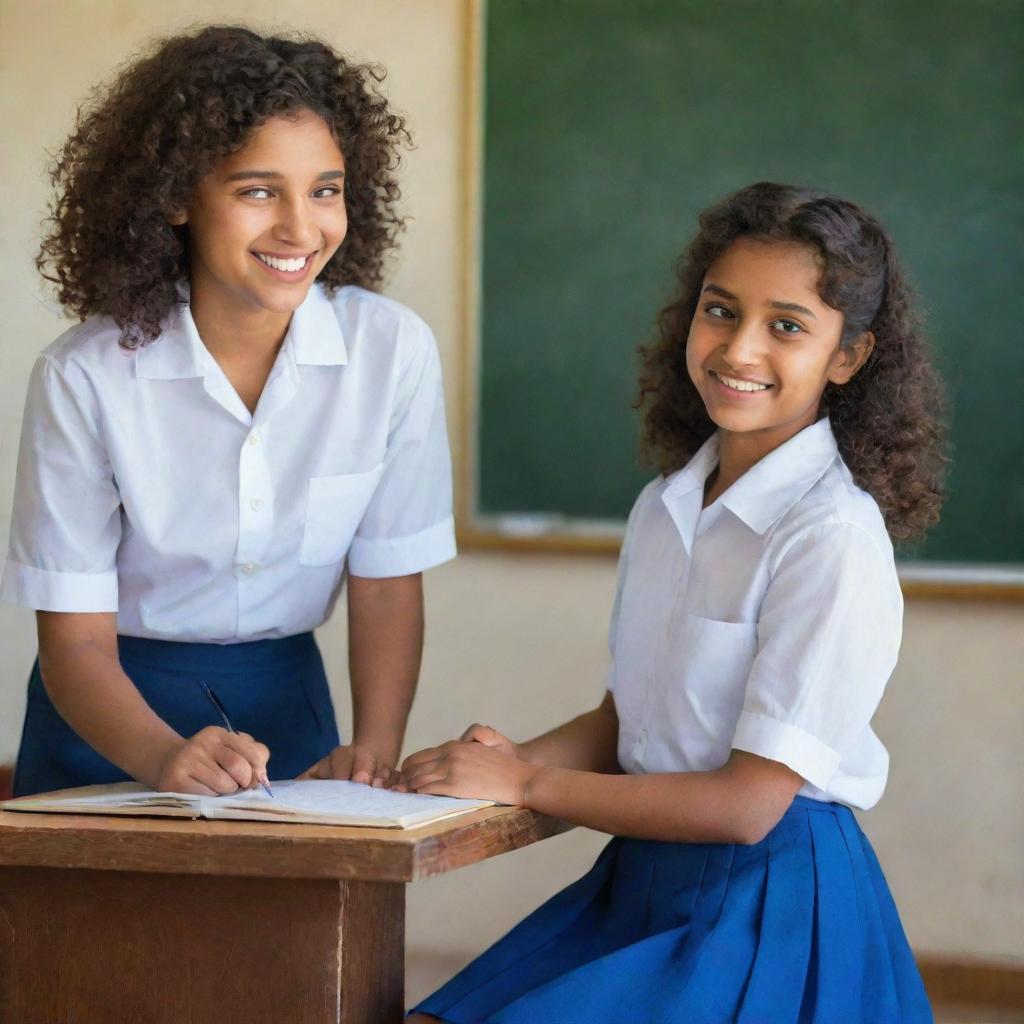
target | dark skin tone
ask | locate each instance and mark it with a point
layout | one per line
(762, 348)
(281, 195)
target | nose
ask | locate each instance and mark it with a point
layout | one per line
(296, 225)
(745, 346)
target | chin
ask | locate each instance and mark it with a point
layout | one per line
(283, 303)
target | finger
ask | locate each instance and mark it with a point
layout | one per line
(338, 763)
(322, 769)
(236, 766)
(470, 733)
(214, 777)
(185, 784)
(364, 767)
(235, 754)
(420, 757)
(261, 750)
(257, 754)
(382, 776)
(422, 769)
(440, 788)
(417, 784)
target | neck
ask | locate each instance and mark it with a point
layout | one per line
(739, 452)
(237, 334)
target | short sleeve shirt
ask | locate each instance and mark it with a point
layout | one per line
(145, 487)
(768, 622)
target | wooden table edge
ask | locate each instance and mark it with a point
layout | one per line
(262, 849)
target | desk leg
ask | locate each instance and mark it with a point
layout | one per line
(372, 952)
(99, 946)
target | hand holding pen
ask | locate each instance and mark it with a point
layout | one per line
(214, 700)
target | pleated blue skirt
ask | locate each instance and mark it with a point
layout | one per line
(275, 690)
(800, 927)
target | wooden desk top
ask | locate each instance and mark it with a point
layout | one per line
(177, 846)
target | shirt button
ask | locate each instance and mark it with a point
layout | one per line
(253, 438)
(256, 504)
(248, 568)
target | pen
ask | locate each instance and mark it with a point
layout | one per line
(212, 697)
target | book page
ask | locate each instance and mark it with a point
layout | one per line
(116, 798)
(340, 801)
(313, 801)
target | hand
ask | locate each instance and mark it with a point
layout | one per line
(492, 738)
(214, 762)
(355, 762)
(469, 769)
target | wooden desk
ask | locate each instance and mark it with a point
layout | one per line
(163, 921)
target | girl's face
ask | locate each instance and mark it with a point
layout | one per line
(265, 221)
(763, 345)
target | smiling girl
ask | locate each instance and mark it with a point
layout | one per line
(237, 426)
(792, 409)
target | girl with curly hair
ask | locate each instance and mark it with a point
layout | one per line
(238, 424)
(792, 408)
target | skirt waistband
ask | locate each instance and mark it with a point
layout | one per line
(270, 655)
(807, 803)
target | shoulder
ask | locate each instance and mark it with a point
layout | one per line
(88, 353)
(363, 314)
(840, 520)
(647, 505)
(648, 498)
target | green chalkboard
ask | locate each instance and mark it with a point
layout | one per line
(609, 124)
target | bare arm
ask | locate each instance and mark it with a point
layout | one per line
(82, 673)
(589, 742)
(385, 620)
(737, 803)
(84, 679)
(385, 644)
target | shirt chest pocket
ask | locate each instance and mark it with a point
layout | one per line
(711, 661)
(334, 508)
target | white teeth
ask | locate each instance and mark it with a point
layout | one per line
(740, 385)
(290, 265)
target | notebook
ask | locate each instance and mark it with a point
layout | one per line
(307, 801)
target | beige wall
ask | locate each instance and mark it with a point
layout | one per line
(519, 640)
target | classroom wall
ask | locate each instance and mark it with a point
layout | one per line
(519, 640)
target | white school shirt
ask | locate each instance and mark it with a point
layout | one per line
(768, 622)
(145, 487)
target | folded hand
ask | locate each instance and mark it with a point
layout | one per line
(469, 769)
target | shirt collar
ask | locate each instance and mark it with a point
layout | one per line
(771, 487)
(314, 338)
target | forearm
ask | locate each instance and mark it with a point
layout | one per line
(385, 647)
(587, 743)
(738, 803)
(85, 681)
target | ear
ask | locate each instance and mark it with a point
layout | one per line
(178, 218)
(847, 361)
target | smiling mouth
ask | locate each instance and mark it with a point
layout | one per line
(735, 384)
(289, 266)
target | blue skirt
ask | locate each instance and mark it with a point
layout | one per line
(275, 690)
(797, 928)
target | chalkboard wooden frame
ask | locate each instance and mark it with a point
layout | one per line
(477, 531)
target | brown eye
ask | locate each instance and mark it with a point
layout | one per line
(786, 326)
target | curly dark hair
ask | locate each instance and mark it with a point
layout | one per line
(143, 142)
(888, 420)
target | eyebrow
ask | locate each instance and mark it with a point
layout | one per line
(246, 175)
(792, 307)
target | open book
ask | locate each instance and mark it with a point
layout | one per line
(309, 801)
